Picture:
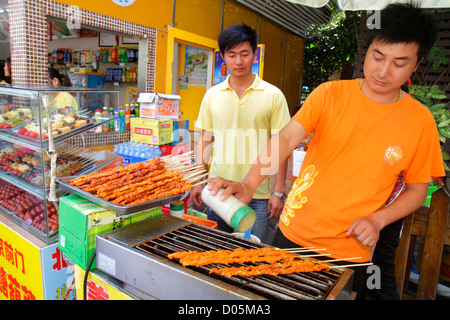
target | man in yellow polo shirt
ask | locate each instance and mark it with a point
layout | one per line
(240, 115)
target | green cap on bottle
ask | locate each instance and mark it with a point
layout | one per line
(243, 219)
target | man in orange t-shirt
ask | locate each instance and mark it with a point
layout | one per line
(367, 132)
(359, 149)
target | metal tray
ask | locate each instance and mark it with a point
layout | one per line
(64, 183)
(91, 123)
(18, 125)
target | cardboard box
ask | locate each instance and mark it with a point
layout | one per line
(80, 221)
(180, 131)
(151, 131)
(165, 149)
(158, 105)
(178, 149)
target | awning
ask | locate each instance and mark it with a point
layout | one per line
(293, 17)
(370, 5)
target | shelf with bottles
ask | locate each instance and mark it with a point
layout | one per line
(115, 55)
(121, 75)
(120, 118)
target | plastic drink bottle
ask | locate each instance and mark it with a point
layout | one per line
(98, 115)
(127, 117)
(177, 209)
(105, 114)
(121, 118)
(116, 120)
(136, 107)
(234, 212)
(111, 123)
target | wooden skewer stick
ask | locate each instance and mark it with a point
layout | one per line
(343, 259)
(352, 265)
(175, 167)
(299, 250)
(171, 159)
(196, 178)
(315, 255)
(179, 155)
(193, 174)
(201, 182)
(189, 168)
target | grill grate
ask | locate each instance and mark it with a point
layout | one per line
(303, 286)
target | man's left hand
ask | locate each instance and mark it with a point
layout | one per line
(275, 206)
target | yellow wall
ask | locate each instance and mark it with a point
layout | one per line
(191, 97)
(201, 19)
(156, 14)
(152, 13)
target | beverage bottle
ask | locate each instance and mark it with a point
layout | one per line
(122, 118)
(127, 117)
(111, 124)
(235, 213)
(125, 54)
(144, 152)
(114, 55)
(120, 147)
(98, 116)
(105, 114)
(136, 107)
(156, 151)
(132, 111)
(116, 120)
(177, 209)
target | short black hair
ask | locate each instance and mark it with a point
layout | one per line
(235, 35)
(53, 73)
(405, 23)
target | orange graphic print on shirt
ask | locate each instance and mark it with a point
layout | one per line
(296, 199)
(393, 155)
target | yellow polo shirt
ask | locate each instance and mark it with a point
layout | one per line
(64, 99)
(242, 127)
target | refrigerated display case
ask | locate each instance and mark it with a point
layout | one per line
(33, 152)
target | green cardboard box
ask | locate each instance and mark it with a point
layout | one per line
(80, 221)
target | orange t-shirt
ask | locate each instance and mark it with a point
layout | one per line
(357, 152)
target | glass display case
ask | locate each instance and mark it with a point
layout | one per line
(34, 123)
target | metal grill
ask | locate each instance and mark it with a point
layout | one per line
(306, 286)
(163, 278)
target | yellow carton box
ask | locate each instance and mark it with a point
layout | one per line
(151, 131)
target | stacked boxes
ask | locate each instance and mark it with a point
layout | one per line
(158, 105)
(80, 221)
(151, 131)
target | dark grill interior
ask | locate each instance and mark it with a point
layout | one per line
(303, 286)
